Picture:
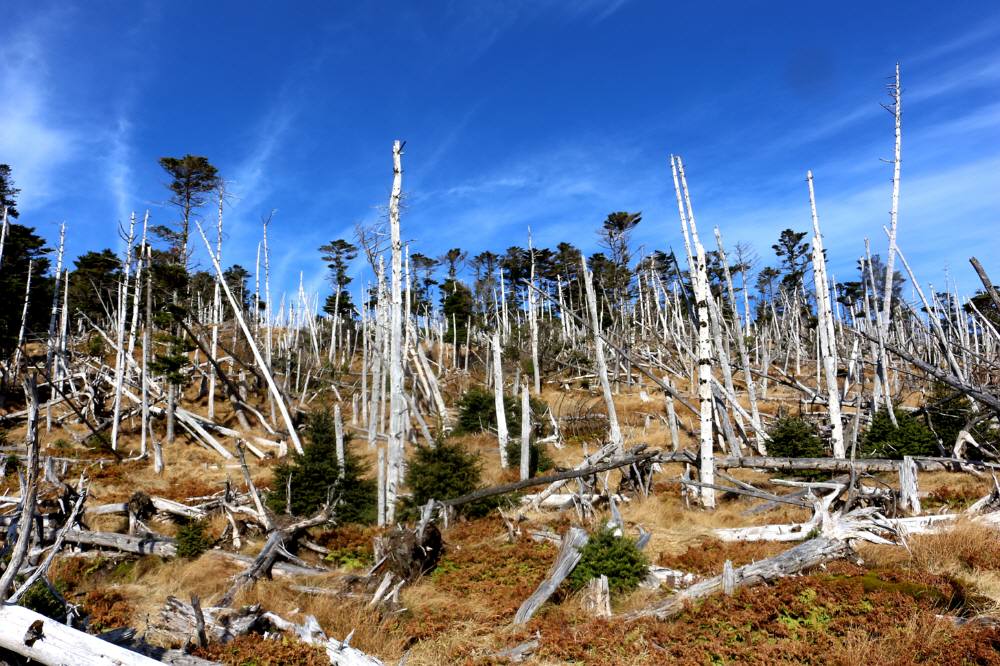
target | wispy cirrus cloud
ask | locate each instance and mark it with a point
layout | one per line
(33, 139)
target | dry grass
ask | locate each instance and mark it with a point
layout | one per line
(461, 612)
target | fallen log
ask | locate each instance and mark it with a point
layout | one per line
(139, 545)
(924, 464)
(275, 545)
(178, 622)
(804, 556)
(503, 489)
(568, 557)
(48, 642)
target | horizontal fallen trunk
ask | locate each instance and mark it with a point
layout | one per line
(493, 491)
(48, 642)
(928, 464)
(178, 622)
(139, 545)
(805, 556)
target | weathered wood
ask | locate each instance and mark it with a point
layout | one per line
(28, 493)
(759, 494)
(802, 557)
(596, 597)
(274, 546)
(43, 569)
(568, 557)
(178, 622)
(924, 464)
(140, 545)
(48, 642)
(909, 499)
(503, 489)
(264, 368)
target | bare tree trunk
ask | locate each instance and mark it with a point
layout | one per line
(700, 280)
(216, 311)
(896, 93)
(525, 432)
(614, 431)
(397, 401)
(120, 339)
(533, 323)
(24, 319)
(265, 369)
(827, 334)
(498, 399)
(28, 493)
(147, 331)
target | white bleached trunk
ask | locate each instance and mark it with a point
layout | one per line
(397, 401)
(533, 322)
(120, 354)
(701, 294)
(24, 318)
(265, 369)
(614, 431)
(338, 429)
(828, 336)
(525, 432)
(216, 313)
(498, 397)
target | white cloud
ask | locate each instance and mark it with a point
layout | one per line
(32, 140)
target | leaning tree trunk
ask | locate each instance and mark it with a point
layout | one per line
(614, 431)
(701, 294)
(827, 334)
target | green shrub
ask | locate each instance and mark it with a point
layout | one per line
(193, 539)
(616, 557)
(538, 457)
(349, 558)
(40, 599)
(316, 473)
(95, 346)
(794, 437)
(911, 438)
(442, 472)
(445, 472)
(477, 412)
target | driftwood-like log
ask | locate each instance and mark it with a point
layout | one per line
(178, 622)
(568, 557)
(551, 478)
(924, 464)
(48, 642)
(804, 556)
(275, 545)
(139, 545)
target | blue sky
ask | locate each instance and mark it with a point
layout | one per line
(543, 114)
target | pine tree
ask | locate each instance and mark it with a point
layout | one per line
(8, 193)
(192, 178)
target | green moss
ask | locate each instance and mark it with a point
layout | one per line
(40, 599)
(349, 558)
